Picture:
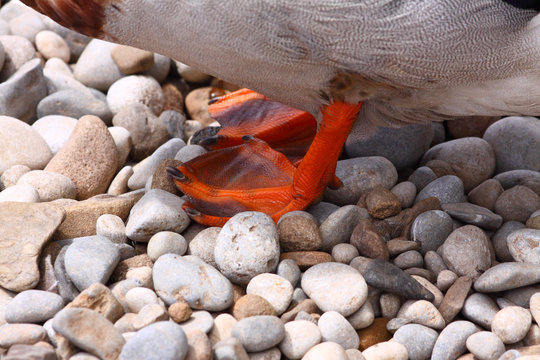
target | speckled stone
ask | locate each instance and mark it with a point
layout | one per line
(422, 312)
(334, 327)
(448, 189)
(511, 324)
(12, 334)
(276, 290)
(166, 242)
(33, 306)
(258, 333)
(474, 215)
(418, 339)
(517, 203)
(524, 245)
(49, 185)
(485, 345)
(480, 309)
(405, 192)
(299, 231)
(451, 341)
(289, 270)
(388, 350)
(507, 276)
(339, 225)
(326, 350)
(136, 89)
(300, 336)
(499, 240)
(486, 194)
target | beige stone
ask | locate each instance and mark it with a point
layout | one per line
(99, 298)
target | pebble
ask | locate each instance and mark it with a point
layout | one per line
(374, 334)
(335, 287)
(409, 259)
(179, 312)
(300, 336)
(247, 246)
(18, 51)
(21, 145)
(389, 305)
(51, 45)
(452, 340)
(326, 350)
(382, 203)
(448, 189)
(30, 352)
(535, 307)
(12, 175)
(363, 317)
(471, 158)
(123, 142)
(12, 334)
(299, 231)
(422, 312)
(485, 345)
(156, 211)
(20, 193)
(27, 25)
(22, 92)
(112, 227)
(344, 253)
(334, 327)
(421, 177)
(445, 279)
(517, 203)
(119, 182)
(387, 277)
(359, 175)
(25, 228)
(486, 194)
(91, 259)
(511, 324)
(403, 146)
(200, 347)
(480, 309)
(528, 178)
(166, 242)
(55, 130)
(368, 241)
(146, 168)
(172, 119)
(89, 331)
(230, 348)
(289, 270)
(303, 304)
(321, 211)
(418, 339)
(466, 251)
(454, 298)
(74, 103)
(33, 306)
(474, 215)
(400, 245)
(339, 225)
(135, 89)
(131, 60)
(252, 305)
(307, 259)
(515, 141)
(138, 297)
(197, 103)
(223, 324)
(388, 350)
(405, 192)
(438, 295)
(49, 185)
(149, 314)
(190, 152)
(201, 285)
(258, 333)
(82, 149)
(203, 245)
(276, 290)
(167, 339)
(146, 130)
(500, 240)
(509, 275)
(524, 245)
(199, 320)
(520, 296)
(99, 298)
(95, 67)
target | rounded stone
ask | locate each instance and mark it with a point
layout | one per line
(466, 251)
(166, 242)
(259, 333)
(276, 290)
(422, 312)
(409, 259)
(344, 253)
(471, 158)
(335, 287)
(136, 89)
(199, 320)
(289, 270)
(298, 231)
(524, 245)
(516, 143)
(418, 339)
(55, 130)
(338, 226)
(95, 67)
(486, 194)
(252, 305)
(480, 309)
(247, 246)
(517, 203)
(405, 192)
(20, 193)
(74, 103)
(300, 336)
(12, 334)
(500, 240)
(511, 324)
(485, 345)
(326, 350)
(203, 245)
(334, 327)
(363, 317)
(161, 340)
(201, 285)
(49, 185)
(18, 51)
(12, 175)
(445, 279)
(388, 350)
(139, 297)
(20, 144)
(451, 341)
(448, 189)
(51, 45)
(33, 306)
(112, 227)
(179, 312)
(382, 203)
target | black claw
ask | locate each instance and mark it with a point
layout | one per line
(192, 212)
(210, 140)
(176, 174)
(247, 137)
(213, 100)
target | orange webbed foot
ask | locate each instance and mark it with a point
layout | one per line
(249, 173)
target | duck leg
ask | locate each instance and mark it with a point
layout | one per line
(254, 176)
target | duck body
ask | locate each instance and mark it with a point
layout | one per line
(407, 60)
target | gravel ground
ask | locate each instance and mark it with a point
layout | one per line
(430, 250)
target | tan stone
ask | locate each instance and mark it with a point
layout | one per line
(382, 203)
(24, 229)
(197, 103)
(200, 347)
(306, 259)
(368, 241)
(99, 298)
(174, 100)
(252, 305)
(455, 298)
(131, 60)
(89, 157)
(306, 305)
(374, 334)
(298, 231)
(129, 264)
(180, 311)
(81, 217)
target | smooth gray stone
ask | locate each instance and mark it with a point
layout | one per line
(448, 189)
(75, 104)
(22, 92)
(418, 339)
(528, 178)
(480, 309)
(174, 122)
(321, 211)
(499, 240)
(339, 225)
(474, 215)
(421, 177)
(159, 341)
(67, 290)
(33, 306)
(507, 276)
(259, 333)
(451, 341)
(430, 229)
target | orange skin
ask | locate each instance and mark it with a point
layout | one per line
(245, 172)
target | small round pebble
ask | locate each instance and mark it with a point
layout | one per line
(334, 327)
(166, 242)
(388, 350)
(511, 324)
(298, 231)
(524, 245)
(142, 274)
(335, 287)
(517, 203)
(405, 192)
(252, 305)
(300, 336)
(247, 246)
(20, 193)
(203, 245)
(199, 320)
(179, 312)
(139, 297)
(325, 351)
(50, 45)
(112, 227)
(258, 333)
(409, 259)
(363, 317)
(418, 339)
(485, 345)
(451, 341)
(276, 290)
(344, 253)
(33, 306)
(448, 189)
(445, 279)
(289, 270)
(11, 334)
(422, 312)
(135, 89)
(430, 229)
(161, 340)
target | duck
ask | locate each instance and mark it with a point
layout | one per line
(386, 63)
